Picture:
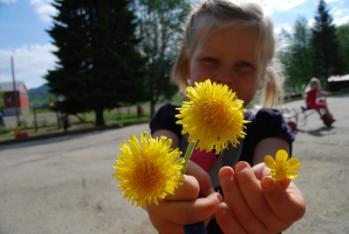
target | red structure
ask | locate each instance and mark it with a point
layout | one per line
(13, 99)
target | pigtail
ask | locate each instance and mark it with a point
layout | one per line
(180, 69)
(272, 90)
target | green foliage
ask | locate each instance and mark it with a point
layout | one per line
(343, 40)
(297, 57)
(160, 27)
(326, 60)
(41, 99)
(99, 67)
(4, 130)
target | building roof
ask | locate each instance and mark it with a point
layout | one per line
(338, 78)
(8, 86)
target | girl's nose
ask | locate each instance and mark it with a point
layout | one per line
(226, 76)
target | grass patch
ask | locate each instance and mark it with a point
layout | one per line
(112, 120)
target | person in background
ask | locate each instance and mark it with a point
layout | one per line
(314, 100)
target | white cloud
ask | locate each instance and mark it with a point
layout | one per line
(341, 20)
(311, 23)
(44, 9)
(270, 6)
(7, 1)
(31, 63)
(341, 16)
(287, 27)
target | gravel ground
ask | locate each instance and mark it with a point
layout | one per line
(64, 185)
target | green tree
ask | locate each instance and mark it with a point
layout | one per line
(98, 65)
(326, 60)
(160, 26)
(343, 40)
(297, 57)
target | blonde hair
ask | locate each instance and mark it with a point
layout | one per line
(313, 81)
(211, 15)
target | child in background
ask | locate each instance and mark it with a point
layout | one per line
(231, 43)
(312, 95)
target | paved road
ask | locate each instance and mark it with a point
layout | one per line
(64, 185)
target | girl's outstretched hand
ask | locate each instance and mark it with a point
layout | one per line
(193, 202)
(254, 203)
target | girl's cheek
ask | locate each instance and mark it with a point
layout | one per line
(205, 72)
(247, 75)
(202, 75)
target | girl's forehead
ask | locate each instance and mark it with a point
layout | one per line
(241, 40)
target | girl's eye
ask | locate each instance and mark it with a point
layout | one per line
(244, 67)
(209, 61)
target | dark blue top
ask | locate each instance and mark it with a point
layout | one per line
(265, 123)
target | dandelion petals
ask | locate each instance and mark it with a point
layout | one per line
(213, 116)
(294, 164)
(292, 176)
(148, 169)
(269, 161)
(281, 168)
(281, 155)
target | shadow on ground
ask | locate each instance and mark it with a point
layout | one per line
(319, 132)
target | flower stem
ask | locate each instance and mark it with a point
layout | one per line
(187, 155)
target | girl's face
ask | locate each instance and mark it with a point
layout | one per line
(228, 57)
(315, 85)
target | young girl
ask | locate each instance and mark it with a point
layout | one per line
(312, 94)
(232, 43)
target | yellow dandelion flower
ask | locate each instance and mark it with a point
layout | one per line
(213, 116)
(282, 167)
(148, 169)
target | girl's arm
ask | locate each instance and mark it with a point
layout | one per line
(269, 146)
(168, 134)
(325, 93)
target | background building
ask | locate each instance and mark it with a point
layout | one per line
(13, 99)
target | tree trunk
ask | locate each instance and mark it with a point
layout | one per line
(152, 107)
(99, 117)
(152, 93)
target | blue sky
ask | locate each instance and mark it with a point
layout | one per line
(23, 36)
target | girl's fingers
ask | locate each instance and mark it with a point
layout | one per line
(187, 212)
(189, 190)
(251, 190)
(288, 204)
(260, 171)
(202, 177)
(285, 183)
(235, 200)
(227, 221)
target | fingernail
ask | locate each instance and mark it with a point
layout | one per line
(241, 166)
(220, 198)
(284, 183)
(267, 182)
(227, 175)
